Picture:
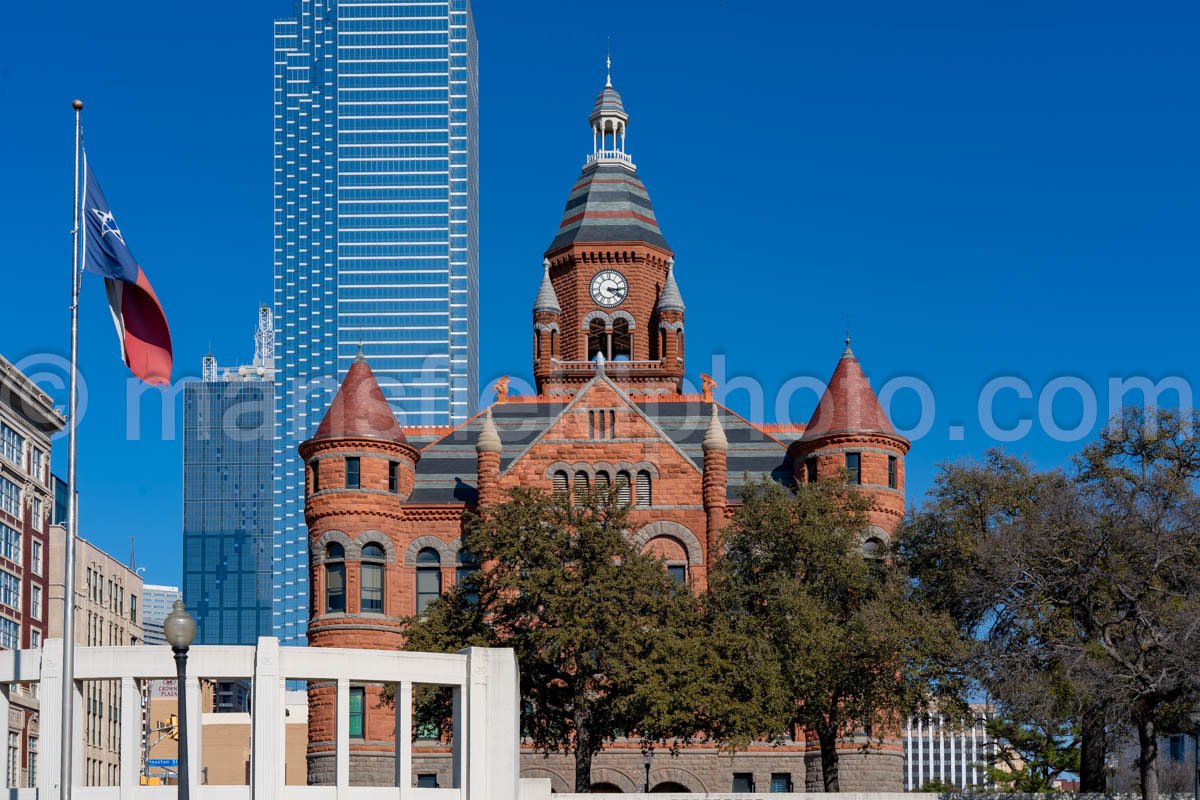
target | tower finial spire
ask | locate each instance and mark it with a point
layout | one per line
(608, 64)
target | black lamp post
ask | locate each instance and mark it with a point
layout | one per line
(180, 629)
(1194, 715)
(647, 757)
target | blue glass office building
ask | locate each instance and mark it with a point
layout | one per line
(228, 470)
(376, 230)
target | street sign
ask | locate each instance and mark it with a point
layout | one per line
(162, 762)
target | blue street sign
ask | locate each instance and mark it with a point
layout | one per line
(162, 762)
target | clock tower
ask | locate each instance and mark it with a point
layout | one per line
(608, 294)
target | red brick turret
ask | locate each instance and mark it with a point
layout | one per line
(487, 459)
(715, 446)
(849, 430)
(360, 469)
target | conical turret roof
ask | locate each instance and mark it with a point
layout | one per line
(670, 299)
(849, 404)
(547, 299)
(359, 410)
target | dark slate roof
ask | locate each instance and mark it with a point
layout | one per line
(446, 472)
(608, 203)
(750, 450)
(608, 104)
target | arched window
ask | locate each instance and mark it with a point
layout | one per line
(622, 342)
(335, 579)
(644, 497)
(597, 339)
(872, 549)
(581, 486)
(624, 487)
(603, 484)
(559, 484)
(553, 343)
(429, 578)
(662, 342)
(373, 559)
(679, 343)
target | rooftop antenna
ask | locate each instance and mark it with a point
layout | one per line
(132, 556)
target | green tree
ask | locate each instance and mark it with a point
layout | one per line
(968, 550)
(608, 644)
(845, 646)
(1030, 756)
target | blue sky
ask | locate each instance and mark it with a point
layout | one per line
(979, 190)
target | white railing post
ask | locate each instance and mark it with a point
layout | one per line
(195, 745)
(4, 690)
(50, 716)
(342, 739)
(131, 730)
(267, 748)
(458, 733)
(404, 721)
(77, 731)
(493, 705)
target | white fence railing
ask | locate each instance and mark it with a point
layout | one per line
(485, 730)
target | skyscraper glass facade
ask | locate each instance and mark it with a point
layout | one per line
(376, 230)
(228, 472)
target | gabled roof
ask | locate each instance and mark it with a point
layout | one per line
(446, 472)
(359, 410)
(849, 404)
(608, 203)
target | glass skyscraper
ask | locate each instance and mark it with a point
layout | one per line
(228, 473)
(376, 230)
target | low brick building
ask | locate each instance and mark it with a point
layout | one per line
(385, 505)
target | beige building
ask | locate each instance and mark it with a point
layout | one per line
(224, 738)
(107, 613)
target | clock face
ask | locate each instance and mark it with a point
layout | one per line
(609, 288)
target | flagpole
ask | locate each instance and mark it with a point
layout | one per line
(66, 751)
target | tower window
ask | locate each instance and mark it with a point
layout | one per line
(371, 599)
(353, 465)
(622, 341)
(559, 484)
(597, 339)
(316, 475)
(581, 486)
(810, 470)
(429, 578)
(854, 467)
(394, 477)
(643, 488)
(892, 478)
(335, 579)
(468, 565)
(357, 696)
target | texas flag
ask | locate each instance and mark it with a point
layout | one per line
(141, 324)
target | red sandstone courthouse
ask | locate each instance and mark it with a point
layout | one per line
(385, 505)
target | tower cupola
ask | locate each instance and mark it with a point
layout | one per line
(609, 120)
